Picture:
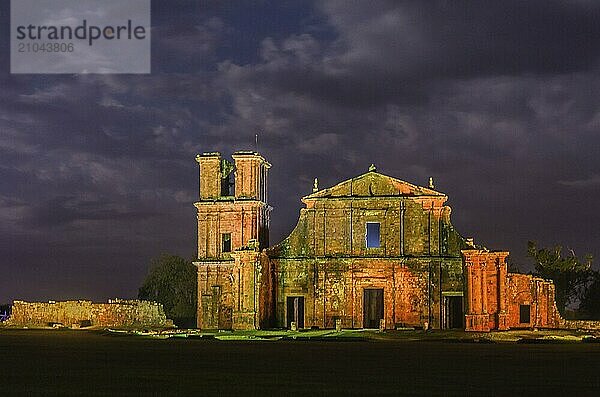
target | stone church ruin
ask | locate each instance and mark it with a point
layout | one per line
(370, 252)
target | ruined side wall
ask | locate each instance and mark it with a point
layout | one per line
(117, 313)
(539, 295)
(495, 298)
(536, 293)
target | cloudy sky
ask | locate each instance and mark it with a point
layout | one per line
(498, 101)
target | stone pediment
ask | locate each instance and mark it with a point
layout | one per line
(373, 184)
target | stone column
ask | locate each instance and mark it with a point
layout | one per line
(470, 303)
(502, 294)
(476, 274)
(484, 297)
(477, 318)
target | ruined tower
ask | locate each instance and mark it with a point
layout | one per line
(233, 226)
(233, 209)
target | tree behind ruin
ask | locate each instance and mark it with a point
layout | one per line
(171, 281)
(570, 274)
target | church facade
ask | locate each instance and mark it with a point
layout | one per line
(370, 252)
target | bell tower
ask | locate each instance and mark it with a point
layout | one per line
(233, 208)
(233, 219)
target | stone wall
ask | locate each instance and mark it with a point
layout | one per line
(236, 294)
(536, 293)
(326, 262)
(115, 313)
(584, 325)
(245, 221)
(498, 300)
(333, 289)
(336, 227)
(216, 298)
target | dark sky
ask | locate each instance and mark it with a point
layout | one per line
(499, 101)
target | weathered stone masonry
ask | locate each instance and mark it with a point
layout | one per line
(368, 252)
(234, 278)
(500, 300)
(115, 313)
(326, 261)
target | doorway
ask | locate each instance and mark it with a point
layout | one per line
(295, 311)
(524, 314)
(453, 309)
(372, 307)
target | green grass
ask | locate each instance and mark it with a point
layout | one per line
(566, 336)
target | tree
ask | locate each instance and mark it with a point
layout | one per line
(590, 299)
(570, 274)
(172, 281)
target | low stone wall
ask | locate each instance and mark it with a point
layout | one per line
(115, 313)
(584, 325)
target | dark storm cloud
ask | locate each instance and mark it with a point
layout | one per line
(66, 209)
(188, 44)
(465, 38)
(497, 100)
(86, 114)
(395, 51)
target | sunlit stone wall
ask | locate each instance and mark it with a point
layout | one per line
(115, 313)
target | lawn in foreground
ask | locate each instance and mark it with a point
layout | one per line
(85, 363)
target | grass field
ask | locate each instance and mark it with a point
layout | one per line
(36, 362)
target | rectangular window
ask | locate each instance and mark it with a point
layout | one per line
(524, 314)
(373, 235)
(226, 239)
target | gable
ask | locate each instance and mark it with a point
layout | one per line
(373, 184)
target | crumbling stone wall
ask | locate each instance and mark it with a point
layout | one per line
(500, 300)
(536, 293)
(583, 325)
(115, 313)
